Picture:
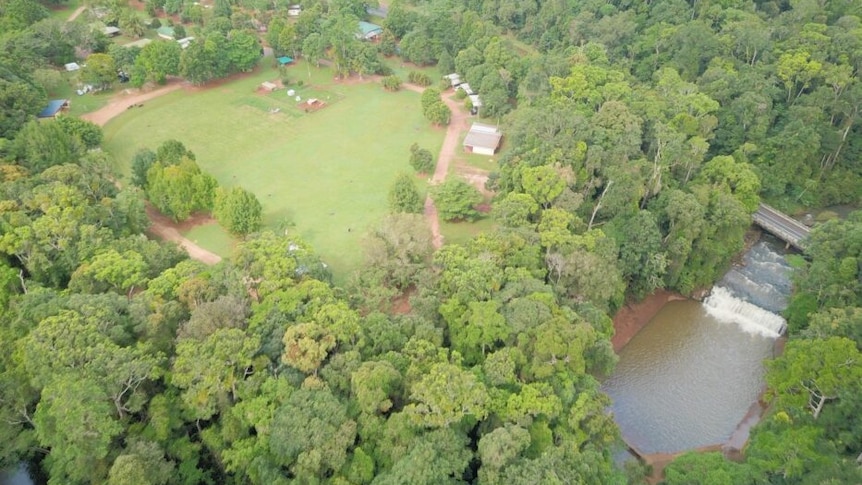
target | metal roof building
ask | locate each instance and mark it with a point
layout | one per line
(482, 139)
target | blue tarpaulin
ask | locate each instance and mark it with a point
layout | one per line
(284, 60)
(54, 106)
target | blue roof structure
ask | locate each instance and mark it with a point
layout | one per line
(367, 30)
(166, 32)
(284, 60)
(54, 106)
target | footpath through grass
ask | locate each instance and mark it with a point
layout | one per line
(327, 173)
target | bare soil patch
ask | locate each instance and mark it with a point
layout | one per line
(164, 228)
(401, 303)
(129, 98)
(78, 11)
(264, 91)
(474, 176)
(310, 107)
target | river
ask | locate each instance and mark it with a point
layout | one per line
(18, 476)
(689, 377)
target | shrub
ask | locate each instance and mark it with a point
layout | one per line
(419, 78)
(404, 196)
(238, 210)
(392, 83)
(384, 70)
(456, 200)
(421, 159)
(434, 109)
(429, 97)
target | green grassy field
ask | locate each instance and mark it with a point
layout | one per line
(327, 172)
(463, 232)
(212, 237)
(64, 10)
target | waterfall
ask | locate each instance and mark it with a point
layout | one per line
(725, 307)
(753, 293)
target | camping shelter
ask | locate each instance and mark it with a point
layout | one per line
(166, 32)
(466, 88)
(111, 31)
(369, 31)
(284, 60)
(55, 106)
(454, 79)
(475, 102)
(185, 42)
(482, 139)
(72, 66)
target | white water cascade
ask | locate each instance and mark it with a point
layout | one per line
(691, 375)
(752, 293)
(727, 308)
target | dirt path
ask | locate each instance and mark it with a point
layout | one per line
(127, 99)
(457, 125)
(164, 228)
(78, 11)
(160, 226)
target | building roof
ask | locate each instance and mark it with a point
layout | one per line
(475, 101)
(166, 31)
(367, 29)
(185, 41)
(483, 136)
(54, 106)
(283, 60)
(111, 30)
(483, 128)
(454, 79)
(72, 66)
(466, 87)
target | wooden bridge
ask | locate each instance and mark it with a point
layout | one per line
(782, 226)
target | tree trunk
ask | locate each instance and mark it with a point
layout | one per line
(599, 204)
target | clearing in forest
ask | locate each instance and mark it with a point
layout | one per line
(326, 173)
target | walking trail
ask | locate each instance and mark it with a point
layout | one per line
(127, 99)
(160, 225)
(457, 125)
(78, 11)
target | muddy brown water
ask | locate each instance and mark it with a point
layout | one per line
(693, 374)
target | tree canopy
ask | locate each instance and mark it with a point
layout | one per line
(639, 138)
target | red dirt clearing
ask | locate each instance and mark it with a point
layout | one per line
(166, 229)
(127, 98)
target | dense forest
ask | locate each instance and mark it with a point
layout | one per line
(640, 136)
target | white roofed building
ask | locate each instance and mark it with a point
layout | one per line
(482, 139)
